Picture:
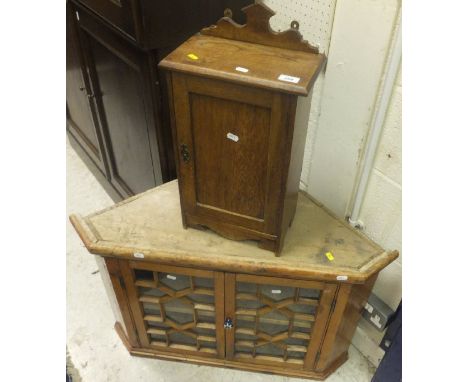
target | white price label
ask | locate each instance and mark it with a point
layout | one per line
(232, 137)
(170, 277)
(342, 278)
(276, 291)
(241, 69)
(139, 255)
(286, 78)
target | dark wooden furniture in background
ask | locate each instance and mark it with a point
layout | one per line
(234, 91)
(193, 296)
(116, 106)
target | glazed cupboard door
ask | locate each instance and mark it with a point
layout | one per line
(277, 322)
(176, 309)
(228, 135)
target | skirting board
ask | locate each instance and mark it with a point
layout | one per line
(366, 345)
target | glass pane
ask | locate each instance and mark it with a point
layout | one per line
(277, 293)
(309, 293)
(151, 309)
(141, 274)
(273, 323)
(182, 338)
(142, 291)
(173, 281)
(270, 349)
(200, 298)
(179, 312)
(201, 282)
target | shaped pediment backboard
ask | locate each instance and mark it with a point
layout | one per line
(257, 30)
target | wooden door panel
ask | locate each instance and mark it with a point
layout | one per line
(227, 135)
(121, 90)
(276, 321)
(119, 75)
(230, 149)
(80, 113)
(177, 309)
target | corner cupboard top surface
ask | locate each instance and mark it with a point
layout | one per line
(148, 227)
(246, 63)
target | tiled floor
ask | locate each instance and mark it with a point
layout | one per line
(94, 347)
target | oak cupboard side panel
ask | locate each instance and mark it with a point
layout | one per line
(350, 301)
(115, 274)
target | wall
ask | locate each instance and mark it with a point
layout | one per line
(357, 36)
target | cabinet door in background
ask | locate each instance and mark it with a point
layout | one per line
(119, 73)
(80, 108)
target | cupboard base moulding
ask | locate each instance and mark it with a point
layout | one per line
(159, 354)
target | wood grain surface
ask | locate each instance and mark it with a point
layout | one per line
(150, 224)
(219, 58)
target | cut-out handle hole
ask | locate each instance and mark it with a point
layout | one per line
(294, 24)
(228, 13)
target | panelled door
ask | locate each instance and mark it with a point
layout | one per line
(177, 309)
(229, 134)
(81, 114)
(118, 73)
(275, 321)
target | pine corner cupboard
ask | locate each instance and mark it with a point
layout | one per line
(233, 92)
(194, 296)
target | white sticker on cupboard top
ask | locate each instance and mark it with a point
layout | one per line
(139, 255)
(286, 78)
(232, 137)
(242, 69)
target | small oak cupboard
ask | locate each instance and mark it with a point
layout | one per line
(193, 296)
(234, 92)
